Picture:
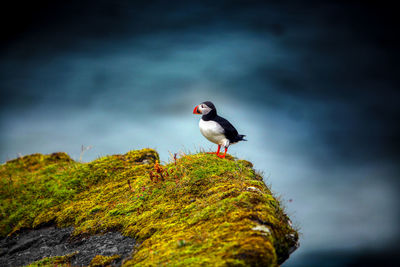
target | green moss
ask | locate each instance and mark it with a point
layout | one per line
(54, 261)
(197, 210)
(100, 260)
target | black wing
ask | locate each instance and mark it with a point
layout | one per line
(230, 132)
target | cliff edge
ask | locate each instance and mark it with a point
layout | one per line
(196, 210)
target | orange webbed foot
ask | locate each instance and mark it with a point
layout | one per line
(223, 156)
(217, 153)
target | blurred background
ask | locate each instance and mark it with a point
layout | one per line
(312, 84)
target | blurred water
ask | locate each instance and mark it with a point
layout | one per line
(310, 132)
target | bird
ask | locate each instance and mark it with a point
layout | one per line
(215, 128)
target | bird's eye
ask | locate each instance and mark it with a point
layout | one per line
(202, 106)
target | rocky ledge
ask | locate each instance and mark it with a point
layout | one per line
(130, 210)
(49, 242)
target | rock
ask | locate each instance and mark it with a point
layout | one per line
(29, 246)
(262, 228)
(3, 251)
(254, 189)
(24, 245)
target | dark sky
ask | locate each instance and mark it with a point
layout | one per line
(346, 57)
(312, 84)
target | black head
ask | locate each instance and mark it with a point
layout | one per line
(209, 104)
(207, 109)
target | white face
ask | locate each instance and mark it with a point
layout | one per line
(204, 109)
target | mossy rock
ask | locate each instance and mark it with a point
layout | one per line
(197, 210)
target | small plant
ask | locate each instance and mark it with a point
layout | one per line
(83, 150)
(159, 173)
(181, 243)
(143, 194)
(130, 187)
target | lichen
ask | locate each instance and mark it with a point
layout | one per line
(196, 210)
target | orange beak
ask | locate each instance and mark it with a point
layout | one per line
(196, 110)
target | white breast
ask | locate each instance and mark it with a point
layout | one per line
(213, 132)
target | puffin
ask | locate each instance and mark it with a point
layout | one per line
(215, 128)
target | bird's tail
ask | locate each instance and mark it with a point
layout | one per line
(241, 137)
